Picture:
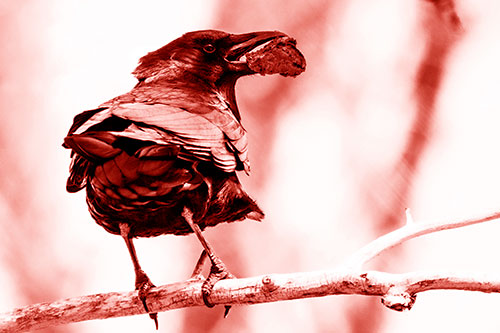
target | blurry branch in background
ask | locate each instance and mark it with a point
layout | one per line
(398, 291)
(447, 10)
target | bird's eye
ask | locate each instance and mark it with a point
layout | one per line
(209, 48)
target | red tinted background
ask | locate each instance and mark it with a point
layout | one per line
(396, 109)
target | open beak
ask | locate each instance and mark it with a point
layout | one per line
(243, 44)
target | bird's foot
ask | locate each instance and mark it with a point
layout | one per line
(218, 272)
(143, 285)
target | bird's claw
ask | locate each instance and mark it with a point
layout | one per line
(218, 272)
(143, 285)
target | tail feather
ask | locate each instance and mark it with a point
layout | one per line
(256, 215)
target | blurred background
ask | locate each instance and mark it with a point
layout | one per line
(398, 107)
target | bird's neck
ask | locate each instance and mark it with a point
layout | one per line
(192, 84)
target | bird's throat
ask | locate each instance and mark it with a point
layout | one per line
(227, 90)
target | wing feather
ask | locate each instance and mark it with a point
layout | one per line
(210, 136)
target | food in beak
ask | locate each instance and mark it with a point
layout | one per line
(277, 56)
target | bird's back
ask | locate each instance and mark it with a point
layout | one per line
(143, 158)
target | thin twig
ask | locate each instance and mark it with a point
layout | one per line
(410, 230)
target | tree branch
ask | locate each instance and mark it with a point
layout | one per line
(407, 232)
(398, 291)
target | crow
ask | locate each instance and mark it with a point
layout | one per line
(162, 158)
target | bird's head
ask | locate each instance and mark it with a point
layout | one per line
(206, 61)
(210, 55)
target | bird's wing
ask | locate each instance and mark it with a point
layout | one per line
(211, 136)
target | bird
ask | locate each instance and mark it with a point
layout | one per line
(163, 158)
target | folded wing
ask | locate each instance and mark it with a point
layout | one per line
(153, 132)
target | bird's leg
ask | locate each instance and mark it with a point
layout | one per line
(199, 265)
(218, 271)
(142, 282)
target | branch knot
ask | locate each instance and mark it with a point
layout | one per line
(268, 284)
(398, 299)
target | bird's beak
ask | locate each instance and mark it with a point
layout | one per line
(245, 43)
